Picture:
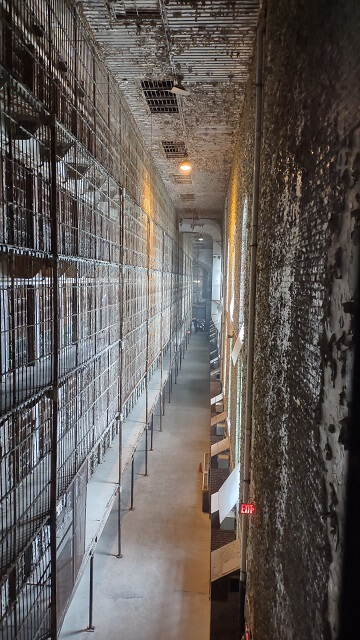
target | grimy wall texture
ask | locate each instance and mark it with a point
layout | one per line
(306, 272)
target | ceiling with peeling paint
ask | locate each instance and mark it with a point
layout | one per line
(207, 45)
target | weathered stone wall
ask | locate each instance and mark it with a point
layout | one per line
(307, 256)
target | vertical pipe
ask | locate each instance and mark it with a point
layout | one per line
(55, 368)
(162, 331)
(119, 553)
(171, 319)
(132, 483)
(163, 402)
(161, 408)
(146, 451)
(169, 381)
(152, 433)
(147, 326)
(91, 594)
(251, 317)
(170, 370)
(121, 364)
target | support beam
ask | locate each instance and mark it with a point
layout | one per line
(90, 626)
(119, 554)
(132, 484)
(152, 432)
(161, 409)
(146, 451)
(55, 363)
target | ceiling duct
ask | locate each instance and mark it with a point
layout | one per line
(138, 15)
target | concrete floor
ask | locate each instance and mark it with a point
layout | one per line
(159, 590)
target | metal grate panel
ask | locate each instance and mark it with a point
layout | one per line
(174, 149)
(187, 197)
(159, 97)
(179, 179)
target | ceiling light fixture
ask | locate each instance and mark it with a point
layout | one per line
(201, 239)
(185, 165)
(179, 88)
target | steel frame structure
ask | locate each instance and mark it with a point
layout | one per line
(95, 286)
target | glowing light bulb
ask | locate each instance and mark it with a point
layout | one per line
(185, 166)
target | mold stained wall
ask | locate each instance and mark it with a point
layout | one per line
(306, 272)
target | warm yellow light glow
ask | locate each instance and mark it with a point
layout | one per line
(185, 166)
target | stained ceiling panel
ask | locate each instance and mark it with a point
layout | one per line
(207, 45)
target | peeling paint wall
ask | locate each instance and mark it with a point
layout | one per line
(306, 273)
(208, 43)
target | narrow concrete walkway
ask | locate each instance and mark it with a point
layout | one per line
(159, 590)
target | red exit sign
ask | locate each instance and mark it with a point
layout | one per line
(247, 508)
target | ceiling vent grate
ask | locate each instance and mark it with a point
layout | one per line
(174, 149)
(179, 179)
(187, 197)
(138, 15)
(159, 97)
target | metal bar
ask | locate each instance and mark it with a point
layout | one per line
(152, 433)
(91, 594)
(121, 368)
(147, 324)
(119, 553)
(162, 331)
(161, 409)
(132, 484)
(55, 371)
(146, 451)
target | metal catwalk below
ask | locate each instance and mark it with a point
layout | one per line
(159, 589)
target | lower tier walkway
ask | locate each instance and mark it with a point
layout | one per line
(159, 589)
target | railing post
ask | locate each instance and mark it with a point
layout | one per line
(152, 433)
(146, 451)
(91, 595)
(132, 484)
